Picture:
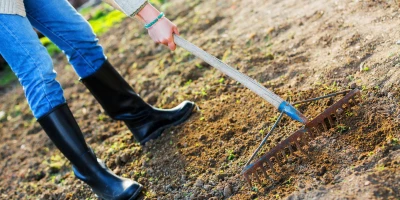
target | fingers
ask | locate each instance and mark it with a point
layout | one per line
(171, 43)
(175, 30)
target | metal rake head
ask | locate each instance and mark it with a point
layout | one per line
(294, 144)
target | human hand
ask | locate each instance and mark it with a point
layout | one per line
(163, 30)
(163, 33)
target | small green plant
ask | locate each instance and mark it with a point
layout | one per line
(203, 92)
(380, 167)
(188, 82)
(371, 153)
(349, 113)
(262, 132)
(341, 128)
(395, 141)
(350, 77)
(254, 188)
(231, 155)
(221, 80)
(200, 66)
(102, 117)
(365, 69)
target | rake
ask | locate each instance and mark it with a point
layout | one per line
(297, 140)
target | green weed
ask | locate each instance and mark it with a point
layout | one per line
(101, 21)
(365, 69)
(341, 128)
(7, 76)
(231, 155)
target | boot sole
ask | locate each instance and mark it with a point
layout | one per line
(137, 193)
(159, 131)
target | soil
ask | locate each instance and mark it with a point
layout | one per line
(298, 49)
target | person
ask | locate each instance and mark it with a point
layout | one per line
(29, 60)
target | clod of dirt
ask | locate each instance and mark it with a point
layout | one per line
(124, 157)
(321, 171)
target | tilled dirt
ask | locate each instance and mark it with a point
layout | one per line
(298, 49)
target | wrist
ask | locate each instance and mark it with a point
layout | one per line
(148, 13)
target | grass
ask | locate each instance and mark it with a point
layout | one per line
(103, 18)
(7, 76)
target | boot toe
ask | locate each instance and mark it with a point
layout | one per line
(160, 120)
(132, 192)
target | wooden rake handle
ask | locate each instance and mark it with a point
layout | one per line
(248, 82)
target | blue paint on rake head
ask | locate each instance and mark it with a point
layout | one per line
(292, 112)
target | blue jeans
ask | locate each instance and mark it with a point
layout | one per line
(29, 60)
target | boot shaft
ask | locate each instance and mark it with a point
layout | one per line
(114, 94)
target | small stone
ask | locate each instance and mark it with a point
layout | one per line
(177, 196)
(367, 183)
(398, 42)
(183, 178)
(207, 187)
(227, 190)
(144, 163)
(199, 183)
(124, 157)
(117, 170)
(337, 178)
(169, 187)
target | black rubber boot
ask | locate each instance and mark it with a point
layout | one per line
(122, 103)
(61, 127)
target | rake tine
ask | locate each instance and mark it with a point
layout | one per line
(284, 155)
(246, 176)
(337, 117)
(313, 132)
(331, 121)
(302, 150)
(272, 167)
(322, 97)
(278, 161)
(257, 178)
(265, 172)
(291, 149)
(265, 139)
(324, 126)
(300, 138)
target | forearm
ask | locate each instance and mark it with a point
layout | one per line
(148, 13)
